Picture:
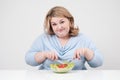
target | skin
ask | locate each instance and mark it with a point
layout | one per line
(61, 27)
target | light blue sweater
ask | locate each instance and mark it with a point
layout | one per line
(51, 43)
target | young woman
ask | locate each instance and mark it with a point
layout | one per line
(62, 41)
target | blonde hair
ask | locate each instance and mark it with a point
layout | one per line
(59, 12)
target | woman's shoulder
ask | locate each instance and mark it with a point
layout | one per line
(83, 36)
(43, 35)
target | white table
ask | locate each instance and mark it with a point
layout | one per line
(49, 75)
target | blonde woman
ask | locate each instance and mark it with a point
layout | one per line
(62, 41)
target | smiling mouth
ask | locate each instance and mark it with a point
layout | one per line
(60, 30)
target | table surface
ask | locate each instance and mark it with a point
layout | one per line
(49, 75)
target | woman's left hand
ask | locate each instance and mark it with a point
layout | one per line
(87, 53)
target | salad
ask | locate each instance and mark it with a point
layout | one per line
(62, 68)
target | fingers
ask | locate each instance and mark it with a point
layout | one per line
(78, 53)
(51, 55)
(54, 56)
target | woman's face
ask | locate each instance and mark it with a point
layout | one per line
(60, 26)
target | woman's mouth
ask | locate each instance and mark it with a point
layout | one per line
(60, 30)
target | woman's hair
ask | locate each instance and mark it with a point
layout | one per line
(59, 12)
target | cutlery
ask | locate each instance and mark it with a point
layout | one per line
(71, 60)
(59, 61)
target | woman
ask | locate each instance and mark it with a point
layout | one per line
(62, 41)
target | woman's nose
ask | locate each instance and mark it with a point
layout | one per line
(59, 26)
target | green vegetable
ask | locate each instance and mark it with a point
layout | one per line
(61, 68)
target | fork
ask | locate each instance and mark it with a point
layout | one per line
(71, 60)
(60, 61)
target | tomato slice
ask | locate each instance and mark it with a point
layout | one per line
(62, 65)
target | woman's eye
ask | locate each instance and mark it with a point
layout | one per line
(62, 21)
(53, 24)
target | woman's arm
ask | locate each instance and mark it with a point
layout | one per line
(40, 57)
(97, 59)
(36, 48)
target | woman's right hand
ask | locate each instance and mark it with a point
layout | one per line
(51, 55)
(41, 56)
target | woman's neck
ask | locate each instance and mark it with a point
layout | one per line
(64, 40)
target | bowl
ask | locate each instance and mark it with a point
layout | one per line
(62, 67)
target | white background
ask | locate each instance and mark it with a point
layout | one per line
(21, 21)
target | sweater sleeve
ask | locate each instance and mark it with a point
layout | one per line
(37, 46)
(97, 59)
(30, 60)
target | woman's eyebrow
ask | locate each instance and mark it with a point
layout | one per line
(59, 20)
(53, 22)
